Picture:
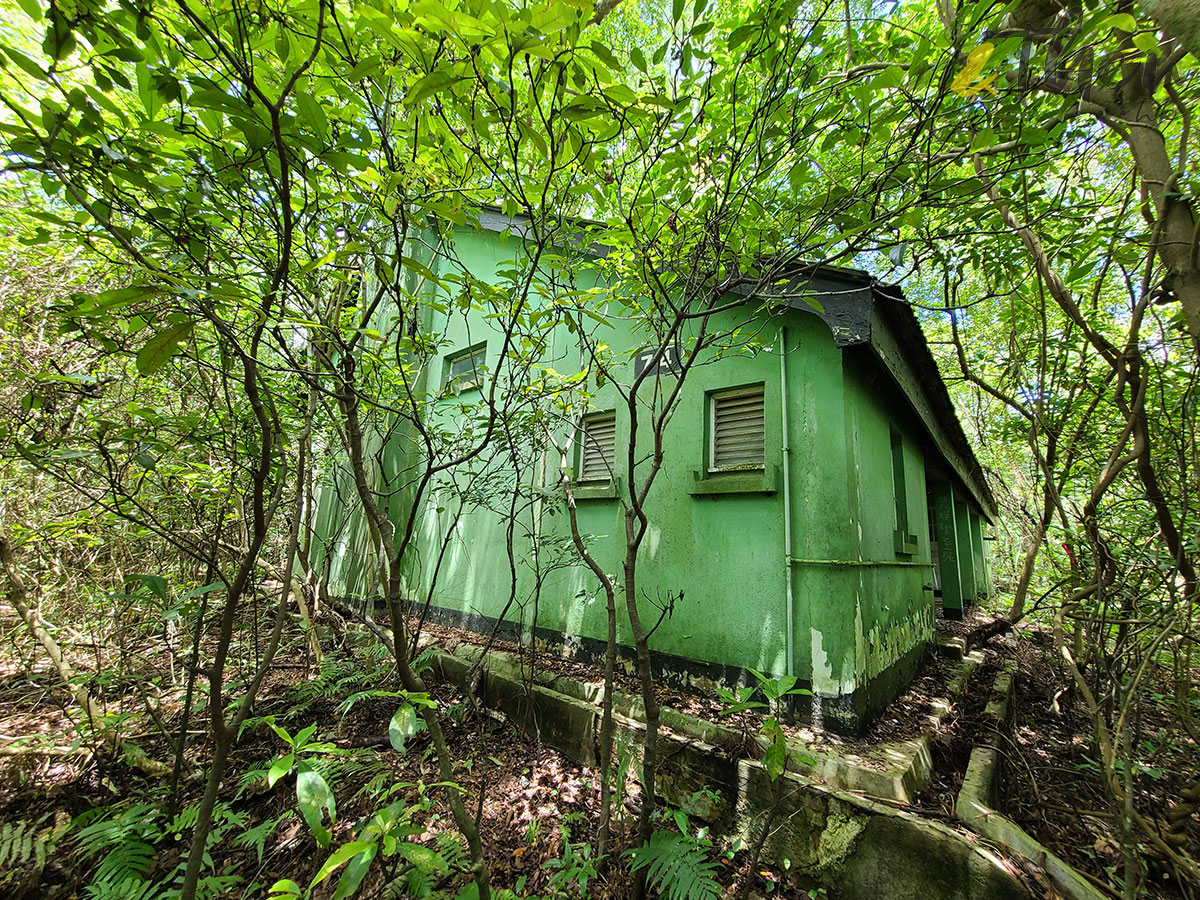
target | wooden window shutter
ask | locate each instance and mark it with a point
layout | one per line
(738, 430)
(598, 447)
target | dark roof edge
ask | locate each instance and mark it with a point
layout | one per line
(902, 350)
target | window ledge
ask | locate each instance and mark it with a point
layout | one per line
(456, 392)
(734, 482)
(905, 543)
(594, 490)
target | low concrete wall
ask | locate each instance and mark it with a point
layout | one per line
(822, 836)
(894, 771)
(855, 848)
(977, 797)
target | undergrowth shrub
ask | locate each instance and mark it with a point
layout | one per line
(678, 865)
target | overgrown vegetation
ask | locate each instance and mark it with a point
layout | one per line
(219, 299)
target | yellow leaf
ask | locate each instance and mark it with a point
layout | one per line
(964, 83)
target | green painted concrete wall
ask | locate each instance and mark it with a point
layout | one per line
(862, 597)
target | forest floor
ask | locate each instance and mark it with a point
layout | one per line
(539, 809)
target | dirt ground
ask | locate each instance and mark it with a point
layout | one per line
(538, 809)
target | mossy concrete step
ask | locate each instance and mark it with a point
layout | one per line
(855, 848)
(894, 771)
(826, 838)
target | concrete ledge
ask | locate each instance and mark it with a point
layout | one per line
(949, 647)
(828, 838)
(894, 771)
(855, 848)
(978, 795)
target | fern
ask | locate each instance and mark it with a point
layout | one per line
(377, 652)
(257, 836)
(678, 866)
(185, 820)
(132, 888)
(348, 766)
(453, 849)
(338, 676)
(135, 825)
(19, 843)
(254, 781)
(348, 704)
(416, 882)
(376, 785)
(126, 840)
(124, 866)
(423, 661)
(223, 818)
(24, 847)
(213, 886)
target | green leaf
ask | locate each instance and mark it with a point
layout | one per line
(203, 589)
(606, 56)
(405, 723)
(775, 759)
(312, 796)
(158, 351)
(285, 889)
(281, 767)
(313, 114)
(1123, 21)
(32, 8)
(355, 873)
(30, 67)
(339, 857)
(278, 729)
(430, 85)
(302, 738)
(1146, 41)
(156, 584)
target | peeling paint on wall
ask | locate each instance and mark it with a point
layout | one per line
(887, 644)
(824, 681)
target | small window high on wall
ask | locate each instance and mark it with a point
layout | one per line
(737, 430)
(465, 370)
(597, 446)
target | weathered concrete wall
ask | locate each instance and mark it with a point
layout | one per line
(824, 838)
(854, 848)
(862, 612)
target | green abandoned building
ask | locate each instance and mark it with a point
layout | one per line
(812, 507)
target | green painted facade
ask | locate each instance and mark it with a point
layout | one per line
(860, 572)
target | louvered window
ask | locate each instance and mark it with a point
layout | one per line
(597, 446)
(738, 430)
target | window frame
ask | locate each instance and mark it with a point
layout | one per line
(457, 384)
(905, 541)
(714, 397)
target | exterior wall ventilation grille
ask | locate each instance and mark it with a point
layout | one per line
(738, 430)
(599, 439)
